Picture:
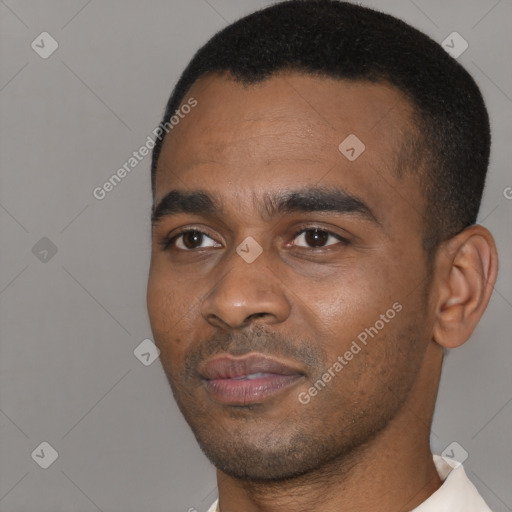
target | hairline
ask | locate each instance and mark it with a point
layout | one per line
(415, 132)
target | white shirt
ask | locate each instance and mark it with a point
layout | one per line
(457, 494)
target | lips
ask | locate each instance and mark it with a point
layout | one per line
(247, 380)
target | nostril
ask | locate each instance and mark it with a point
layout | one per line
(256, 315)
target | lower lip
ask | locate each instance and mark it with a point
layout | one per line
(249, 391)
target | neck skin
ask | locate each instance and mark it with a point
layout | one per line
(392, 472)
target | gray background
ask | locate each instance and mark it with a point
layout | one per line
(70, 323)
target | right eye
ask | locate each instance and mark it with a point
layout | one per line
(190, 240)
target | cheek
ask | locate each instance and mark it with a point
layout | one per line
(379, 308)
(346, 302)
(171, 308)
(164, 309)
(158, 302)
(165, 327)
(377, 375)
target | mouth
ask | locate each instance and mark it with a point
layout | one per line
(247, 380)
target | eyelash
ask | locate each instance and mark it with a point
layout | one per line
(168, 242)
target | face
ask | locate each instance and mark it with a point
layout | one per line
(287, 283)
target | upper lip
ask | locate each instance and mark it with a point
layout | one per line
(228, 367)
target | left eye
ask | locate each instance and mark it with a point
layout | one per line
(189, 240)
(314, 237)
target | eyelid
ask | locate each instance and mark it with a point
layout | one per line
(168, 241)
(303, 229)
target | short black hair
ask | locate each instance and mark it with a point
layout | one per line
(345, 41)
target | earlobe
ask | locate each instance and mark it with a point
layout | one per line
(467, 273)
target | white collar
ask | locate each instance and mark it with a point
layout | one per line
(457, 494)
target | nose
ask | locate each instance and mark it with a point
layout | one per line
(246, 293)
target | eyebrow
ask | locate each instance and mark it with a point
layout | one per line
(175, 202)
(318, 199)
(309, 199)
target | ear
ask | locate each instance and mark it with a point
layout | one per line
(466, 269)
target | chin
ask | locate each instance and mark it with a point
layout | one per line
(255, 455)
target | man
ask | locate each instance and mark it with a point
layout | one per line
(314, 253)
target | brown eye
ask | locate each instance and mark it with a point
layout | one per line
(315, 238)
(193, 239)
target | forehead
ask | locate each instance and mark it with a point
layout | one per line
(289, 130)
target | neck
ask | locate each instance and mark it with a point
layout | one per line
(394, 471)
